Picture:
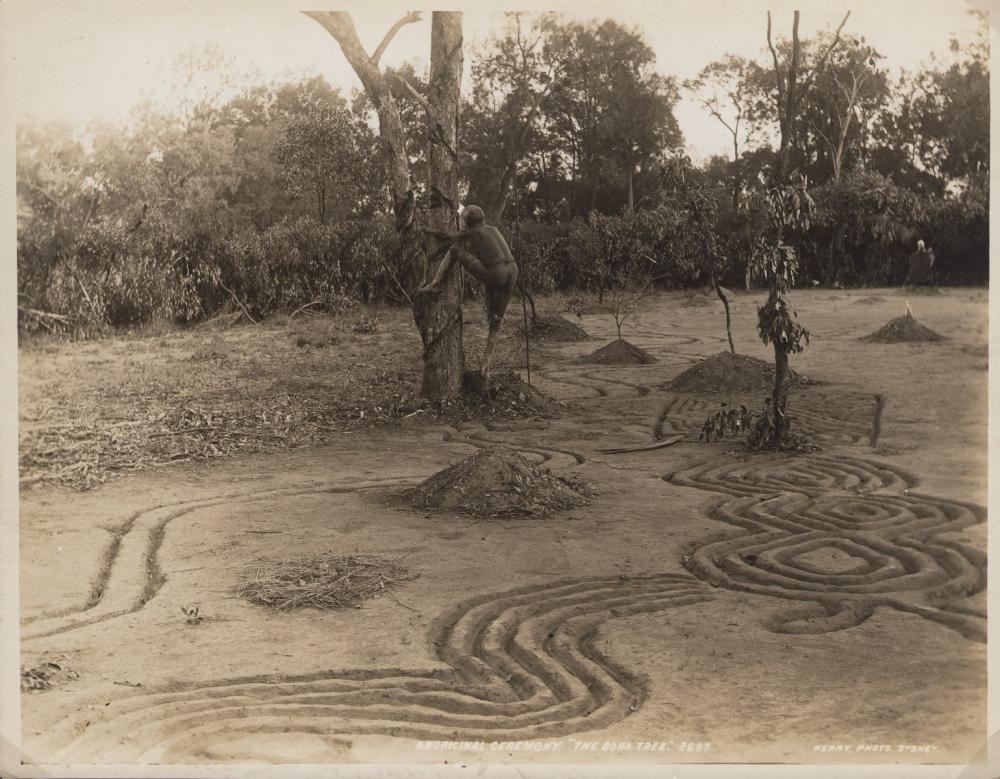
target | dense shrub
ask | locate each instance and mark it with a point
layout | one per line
(866, 226)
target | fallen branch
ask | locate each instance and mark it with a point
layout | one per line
(648, 447)
(46, 314)
(238, 301)
(187, 430)
(86, 294)
(300, 309)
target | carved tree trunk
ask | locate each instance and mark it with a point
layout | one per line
(438, 317)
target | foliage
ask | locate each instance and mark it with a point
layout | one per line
(603, 125)
(732, 420)
(757, 427)
(274, 196)
(320, 153)
(788, 212)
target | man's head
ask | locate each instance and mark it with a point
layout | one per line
(473, 216)
(920, 246)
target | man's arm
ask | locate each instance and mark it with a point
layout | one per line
(444, 235)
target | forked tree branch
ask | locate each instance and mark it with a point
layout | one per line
(826, 55)
(341, 27)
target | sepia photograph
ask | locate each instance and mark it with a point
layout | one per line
(576, 389)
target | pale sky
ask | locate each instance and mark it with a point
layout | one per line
(79, 60)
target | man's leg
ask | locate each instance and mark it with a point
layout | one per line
(443, 267)
(468, 261)
(499, 290)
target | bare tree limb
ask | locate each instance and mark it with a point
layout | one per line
(412, 16)
(415, 94)
(777, 65)
(238, 301)
(711, 106)
(341, 27)
(826, 55)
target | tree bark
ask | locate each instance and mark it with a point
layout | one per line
(438, 317)
(737, 173)
(779, 398)
(729, 318)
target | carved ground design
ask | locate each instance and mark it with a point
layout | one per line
(848, 535)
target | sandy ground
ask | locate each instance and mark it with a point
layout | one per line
(709, 606)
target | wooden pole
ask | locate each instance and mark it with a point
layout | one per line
(520, 276)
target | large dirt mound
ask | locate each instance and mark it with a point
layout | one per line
(555, 328)
(498, 482)
(727, 372)
(619, 353)
(902, 329)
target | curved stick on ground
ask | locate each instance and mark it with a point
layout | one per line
(648, 447)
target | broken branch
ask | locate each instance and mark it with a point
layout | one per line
(415, 94)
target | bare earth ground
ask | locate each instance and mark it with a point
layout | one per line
(712, 605)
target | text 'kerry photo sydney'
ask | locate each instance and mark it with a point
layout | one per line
(498, 390)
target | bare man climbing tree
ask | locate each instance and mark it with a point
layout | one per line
(488, 260)
(438, 317)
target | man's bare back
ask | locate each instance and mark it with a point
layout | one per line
(485, 255)
(486, 242)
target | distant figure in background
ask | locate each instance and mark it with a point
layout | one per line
(921, 263)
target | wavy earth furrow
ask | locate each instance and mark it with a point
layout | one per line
(570, 378)
(812, 529)
(125, 583)
(640, 390)
(522, 665)
(481, 439)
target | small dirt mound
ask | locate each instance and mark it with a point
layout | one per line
(555, 328)
(507, 393)
(498, 482)
(619, 353)
(869, 300)
(902, 329)
(727, 372)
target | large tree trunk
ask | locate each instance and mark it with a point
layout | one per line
(438, 317)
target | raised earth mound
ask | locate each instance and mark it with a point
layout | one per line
(507, 393)
(728, 372)
(902, 329)
(619, 353)
(870, 300)
(498, 482)
(555, 328)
